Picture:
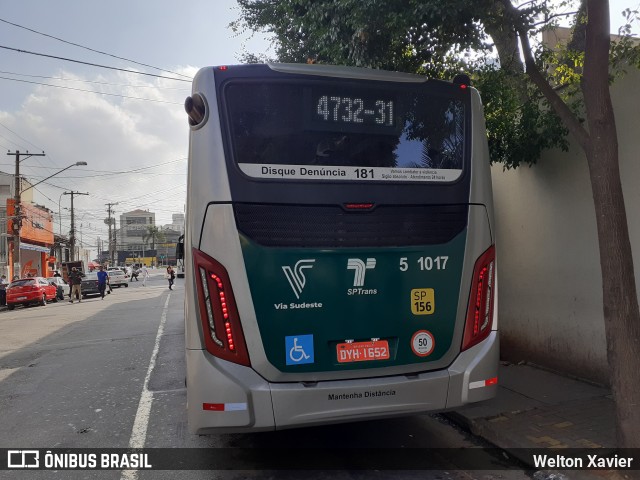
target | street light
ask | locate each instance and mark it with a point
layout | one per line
(17, 214)
(77, 164)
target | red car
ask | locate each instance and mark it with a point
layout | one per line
(30, 290)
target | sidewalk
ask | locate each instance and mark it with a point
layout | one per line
(535, 408)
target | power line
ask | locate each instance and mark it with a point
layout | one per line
(10, 141)
(89, 91)
(106, 173)
(91, 64)
(23, 139)
(92, 50)
(93, 81)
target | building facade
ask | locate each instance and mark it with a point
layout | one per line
(134, 227)
(36, 234)
(177, 222)
(36, 240)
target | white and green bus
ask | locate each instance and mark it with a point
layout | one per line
(339, 247)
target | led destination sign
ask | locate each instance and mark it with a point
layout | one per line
(341, 131)
(343, 109)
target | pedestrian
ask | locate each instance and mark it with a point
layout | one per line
(56, 274)
(103, 281)
(75, 279)
(145, 275)
(4, 283)
(171, 275)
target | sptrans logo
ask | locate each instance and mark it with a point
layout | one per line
(360, 269)
(296, 277)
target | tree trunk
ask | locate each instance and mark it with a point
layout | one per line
(621, 313)
(600, 144)
(499, 25)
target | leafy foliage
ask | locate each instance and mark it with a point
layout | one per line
(625, 50)
(387, 34)
(520, 123)
(154, 234)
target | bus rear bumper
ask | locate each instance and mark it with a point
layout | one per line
(236, 399)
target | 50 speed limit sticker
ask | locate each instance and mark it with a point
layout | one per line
(422, 343)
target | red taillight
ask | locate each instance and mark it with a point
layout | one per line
(480, 310)
(220, 320)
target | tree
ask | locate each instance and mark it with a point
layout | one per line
(154, 234)
(431, 36)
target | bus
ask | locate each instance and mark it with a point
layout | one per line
(339, 247)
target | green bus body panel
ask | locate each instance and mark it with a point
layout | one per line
(355, 294)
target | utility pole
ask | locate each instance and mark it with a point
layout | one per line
(72, 233)
(17, 214)
(111, 246)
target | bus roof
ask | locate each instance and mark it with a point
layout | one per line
(346, 72)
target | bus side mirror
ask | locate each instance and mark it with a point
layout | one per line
(196, 109)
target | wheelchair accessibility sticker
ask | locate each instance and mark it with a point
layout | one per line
(299, 349)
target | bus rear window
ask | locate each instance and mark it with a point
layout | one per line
(337, 131)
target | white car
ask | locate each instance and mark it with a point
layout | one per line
(62, 286)
(117, 278)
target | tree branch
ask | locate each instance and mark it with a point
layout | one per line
(561, 108)
(551, 17)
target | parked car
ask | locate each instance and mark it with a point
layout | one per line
(89, 284)
(63, 287)
(118, 278)
(34, 290)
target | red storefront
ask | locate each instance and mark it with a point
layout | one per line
(36, 240)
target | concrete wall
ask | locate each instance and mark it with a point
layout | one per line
(548, 261)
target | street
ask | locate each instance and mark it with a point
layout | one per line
(83, 375)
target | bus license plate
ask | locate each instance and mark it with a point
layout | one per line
(362, 351)
(21, 298)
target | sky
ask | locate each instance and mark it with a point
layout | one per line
(135, 141)
(133, 136)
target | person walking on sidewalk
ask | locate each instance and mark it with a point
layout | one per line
(75, 279)
(4, 283)
(145, 275)
(170, 275)
(103, 281)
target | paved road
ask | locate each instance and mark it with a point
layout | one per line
(73, 376)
